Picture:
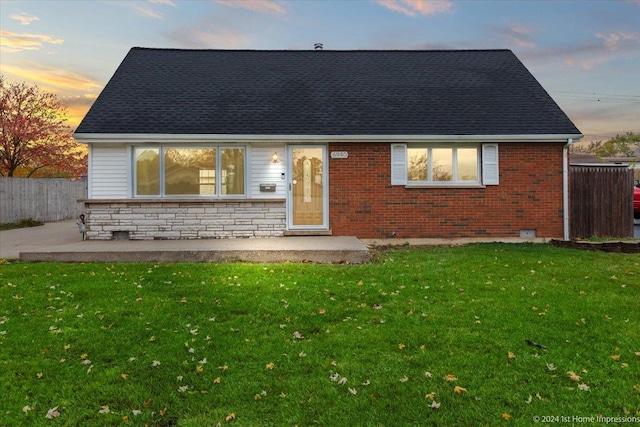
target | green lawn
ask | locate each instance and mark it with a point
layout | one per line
(434, 336)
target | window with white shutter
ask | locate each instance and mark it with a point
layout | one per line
(442, 164)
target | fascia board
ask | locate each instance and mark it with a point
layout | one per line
(93, 138)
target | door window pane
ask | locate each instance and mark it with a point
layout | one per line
(147, 171)
(307, 186)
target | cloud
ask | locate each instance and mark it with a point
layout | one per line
(589, 54)
(57, 79)
(518, 34)
(77, 107)
(145, 9)
(220, 38)
(147, 12)
(24, 18)
(615, 41)
(270, 7)
(14, 42)
(165, 2)
(416, 7)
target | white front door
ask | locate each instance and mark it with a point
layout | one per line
(307, 201)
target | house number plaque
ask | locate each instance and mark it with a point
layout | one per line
(339, 154)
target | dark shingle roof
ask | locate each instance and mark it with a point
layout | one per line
(476, 92)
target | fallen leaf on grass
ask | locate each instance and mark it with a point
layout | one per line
(217, 380)
(270, 366)
(431, 395)
(342, 381)
(199, 369)
(352, 391)
(450, 377)
(52, 413)
(459, 390)
(583, 387)
(510, 355)
(26, 409)
(506, 416)
(573, 376)
(104, 409)
(230, 417)
(615, 357)
(435, 405)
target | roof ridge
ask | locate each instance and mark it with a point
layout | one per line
(317, 50)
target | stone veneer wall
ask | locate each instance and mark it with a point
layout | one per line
(191, 219)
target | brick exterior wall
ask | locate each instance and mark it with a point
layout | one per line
(149, 220)
(363, 202)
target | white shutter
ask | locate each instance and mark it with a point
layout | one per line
(398, 164)
(490, 171)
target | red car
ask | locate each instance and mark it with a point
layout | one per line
(636, 202)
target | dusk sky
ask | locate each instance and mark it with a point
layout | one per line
(586, 54)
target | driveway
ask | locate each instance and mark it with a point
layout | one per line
(12, 242)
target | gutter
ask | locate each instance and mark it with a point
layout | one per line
(106, 138)
(565, 187)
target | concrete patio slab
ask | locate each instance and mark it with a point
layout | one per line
(61, 242)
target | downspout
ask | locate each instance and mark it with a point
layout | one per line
(565, 186)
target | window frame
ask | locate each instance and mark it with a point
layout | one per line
(161, 168)
(487, 165)
(454, 182)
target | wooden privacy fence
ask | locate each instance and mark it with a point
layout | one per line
(601, 201)
(41, 199)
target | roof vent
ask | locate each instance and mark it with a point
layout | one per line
(317, 46)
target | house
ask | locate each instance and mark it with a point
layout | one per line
(191, 144)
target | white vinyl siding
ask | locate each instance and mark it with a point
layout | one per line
(264, 171)
(108, 172)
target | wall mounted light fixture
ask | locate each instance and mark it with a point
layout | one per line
(275, 158)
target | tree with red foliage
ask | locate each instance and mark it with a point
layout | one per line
(34, 139)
